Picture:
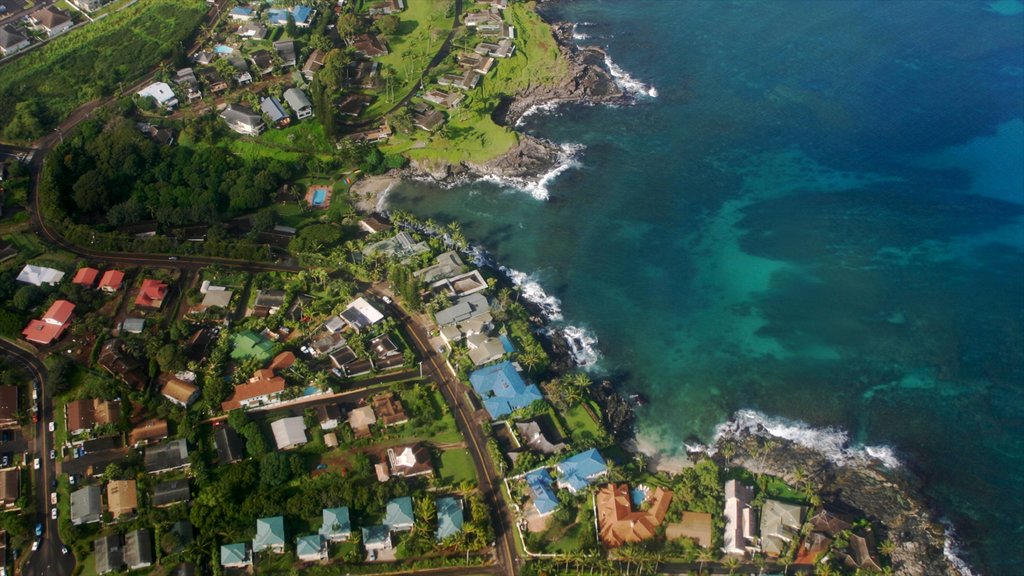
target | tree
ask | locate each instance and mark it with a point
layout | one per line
(388, 24)
(332, 74)
(348, 24)
(26, 297)
(91, 192)
(26, 124)
(275, 469)
(732, 563)
(704, 556)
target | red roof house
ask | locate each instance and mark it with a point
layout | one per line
(151, 294)
(111, 281)
(86, 277)
(51, 325)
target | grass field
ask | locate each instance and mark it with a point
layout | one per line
(457, 467)
(581, 425)
(97, 59)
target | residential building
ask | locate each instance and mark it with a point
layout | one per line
(299, 102)
(39, 275)
(262, 389)
(8, 406)
(138, 549)
(410, 461)
(503, 390)
(171, 455)
(388, 408)
(111, 281)
(109, 554)
(170, 493)
(398, 516)
(329, 416)
(368, 45)
(696, 526)
(86, 505)
(483, 20)
(229, 445)
(780, 524)
(161, 93)
(373, 224)
(425, 117)
(401, 245)
(282, 361)
(11, 41)
(85, 414)
(243, 120)
(504, 48)
(147, 432)
(467, 316)
(461, 285)
(263, 60)
(449, 517)
(376, 538)
(235, 555)
(311, 548)
(274, 111)
(85, 277)
(183, 531)
(151, 294)
(116, 359)
(286, 50)
(269, 535)
(220, 299)
(543, 496)
(243, 13)
(360, 314)
(447, 264)
(336, 526)
(387, 7)
(576, 472)
(133, 325)
(447, 99)
(540, 436)
(252, 30)
(122, 498)
(484, 349)
(739, 518)
(268, 302)
(289, 432)
(465, 81)
(618, 523)
(360, 420)
(180, 392)
(10, 486)
(314, 63)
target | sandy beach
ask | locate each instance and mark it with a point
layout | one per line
(369, 193)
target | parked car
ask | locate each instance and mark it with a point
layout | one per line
(53, 498)
(35, 464)
(5, 461)
(63, 549)
(39, 529)
(53, 513)
(35, 545)
(52, 426)
(71, 479)
(53, 454)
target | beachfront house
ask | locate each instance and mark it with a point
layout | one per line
(503, 390)
(577, 472)
(739, 519)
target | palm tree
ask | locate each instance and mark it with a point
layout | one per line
(786, 562)
(732, 563)
(886, 548)
(705, 555)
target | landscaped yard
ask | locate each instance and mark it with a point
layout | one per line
(457, 467)
(580, 424)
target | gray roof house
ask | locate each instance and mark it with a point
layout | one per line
(138, 549)
(289, 432)
(243, 120)
(86, 505)
(780, 523)
(286, 50)
(109, 554)
(173, 492)
(229, 445)
(11, 40)
(274, 111)
(170, 455)
(298, 101)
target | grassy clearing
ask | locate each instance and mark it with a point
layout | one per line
(581, 425)
(469, 136)
(457, 467)
(96, 59)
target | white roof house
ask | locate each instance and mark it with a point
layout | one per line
(39, 275)
(360, 314)
(162, 93)
(289, 432)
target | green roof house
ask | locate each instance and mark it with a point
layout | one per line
(398, 516)
(249, 344)
(336, 527)
(376, 538)
(269, 535)
(311, 548)
(449, 517)
(235, 555)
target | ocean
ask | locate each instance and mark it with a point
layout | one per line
(810, 217)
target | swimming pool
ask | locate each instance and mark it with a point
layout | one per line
(222, 49)
(319, 195)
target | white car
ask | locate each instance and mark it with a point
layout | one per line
(35, 545)
(53, 513)
(53, 498)
(52, 427)
(35, 463)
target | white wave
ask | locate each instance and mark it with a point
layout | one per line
(582, 345)
(531, 290)
(831, 442)
(539, 188)
(951, 551)
(629, 84)
(382, 200)
(535, 109)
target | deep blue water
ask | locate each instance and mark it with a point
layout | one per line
(819, 217)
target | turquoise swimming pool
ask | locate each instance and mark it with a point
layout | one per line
(319, 195)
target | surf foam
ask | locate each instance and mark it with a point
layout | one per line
(629, 84)
(536, 109)
(951, 551)
(566, 159)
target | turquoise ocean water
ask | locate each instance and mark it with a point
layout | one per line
(813, 211)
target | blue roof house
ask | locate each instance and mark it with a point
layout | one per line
(577, 471)
(336, 527)
(269, 535)
(241, 13)
(376, 538)
(277, 16)
(311, 548)
(398, 515)
(449, 517)
(235, 555)
(503, 390)
(544, 499)
(303, 16)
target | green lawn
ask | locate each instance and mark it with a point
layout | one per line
(96, 59)
(457, 467)
(580, 424)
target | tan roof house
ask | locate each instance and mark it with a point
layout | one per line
(122, 497)
(180, 392)
(86, 414)
(152, 430)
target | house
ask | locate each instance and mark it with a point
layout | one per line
(381, 470)
(505, 48)
(213, 79)
(272, 108)
(739, 518)
(171, 455)
(132, 325)
(122, 497)
(543, 496)
(84, 415)
(286, 50)
(268, 302)
(859, 557)
(289, 432)
(426, 118)
(696, 526)
(373, 224)
(85, 277)
(215, 299)
(170, 493)
(336, 526)
(299, 102)
(465, 81)
(302, 15)
(11, 41)
(151, 294)
(484, 349)
(10, 486)
(461, 285)
(263, 60)
(360, 421)
(449, 517)
(398, 515)
(116, 359)
(780, 524)
(269, 535)
(138, 549)
(447, 99)
(185, 77)
(484, 20)
(243, 13)
(360, 314)
(368, 45)
(618, 523)
(243, 120)
(160, 92)
(410, 461)
(152, 430)
(376, 538)
(385, 353)
(401, 245)
(479, 63)
(446, 265)
(311, 548)
(86, 505)
(467, 316)
(8, 406)
(329, 416)
(387, 7)
(109, 554)
(89, 5)
(252, 30)
(180, 392)
(503, 390)
(183, 531)
(162, 136)
(229, 445)
(111, 281)
(248, 344)
(540, 437)
(235, 555)
(263, 388)
(576, 472)
(362, 73)
(313, 64)
(388, 408)
(282, 361)
(39, 275)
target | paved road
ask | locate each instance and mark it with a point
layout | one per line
(48, 560)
